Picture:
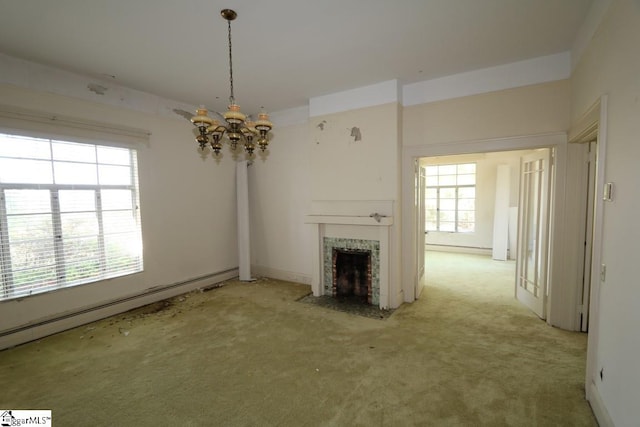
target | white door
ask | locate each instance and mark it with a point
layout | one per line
(533, 231)
(421, 182)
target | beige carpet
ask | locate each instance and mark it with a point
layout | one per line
(248, 354)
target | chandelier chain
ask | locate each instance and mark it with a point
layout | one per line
(231, 97)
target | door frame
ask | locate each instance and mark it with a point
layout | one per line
(588, 177)
(593, 125)
(559, 302)
(421, 182)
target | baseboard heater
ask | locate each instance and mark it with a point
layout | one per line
(219, 277)
(460, 249)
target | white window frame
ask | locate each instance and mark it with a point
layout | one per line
(456, 189)
(8, 289)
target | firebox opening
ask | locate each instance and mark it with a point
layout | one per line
(352, 275)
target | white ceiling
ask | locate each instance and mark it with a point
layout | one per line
(284, 51)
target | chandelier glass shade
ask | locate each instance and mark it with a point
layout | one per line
(235, 128)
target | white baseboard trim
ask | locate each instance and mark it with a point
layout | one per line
(459, 249)
(41, 329)
(598, 408)
(274, 273)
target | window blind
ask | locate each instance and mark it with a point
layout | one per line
(69, 214)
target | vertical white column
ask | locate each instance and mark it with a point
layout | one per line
(501, 213)
(244, 247)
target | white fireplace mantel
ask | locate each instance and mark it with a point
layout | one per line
(352, 224)
(349, 220)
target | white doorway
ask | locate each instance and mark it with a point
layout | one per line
(559, 308)
(466, 203)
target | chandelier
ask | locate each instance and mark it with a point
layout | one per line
(236, 128)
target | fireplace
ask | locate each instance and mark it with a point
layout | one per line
(359, 233)
(351, 275)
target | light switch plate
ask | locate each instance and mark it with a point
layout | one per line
(608, 192)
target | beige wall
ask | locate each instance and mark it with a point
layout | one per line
(344, 169)
(525, 110)
(187, 209)
(611, 66)
(279, 200)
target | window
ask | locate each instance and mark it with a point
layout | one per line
(450, 198)
(68, 214)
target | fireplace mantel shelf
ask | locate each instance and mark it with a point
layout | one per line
(348, 220)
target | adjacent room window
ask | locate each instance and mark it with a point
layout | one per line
(450, 198)
(68, 214)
